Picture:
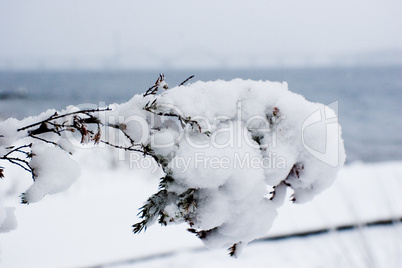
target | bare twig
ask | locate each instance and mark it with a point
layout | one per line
(18, 161)
(185, 81)
(19, 149)
(121, 127)
(53, 117)
(122, 147)
(183, 120)
(44, 140)
(152, 90)
(144, 149)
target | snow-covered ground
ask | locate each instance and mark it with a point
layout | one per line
(90, 224)
(378, 247)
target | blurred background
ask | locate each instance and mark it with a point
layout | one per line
(57, 53)
(101, 35)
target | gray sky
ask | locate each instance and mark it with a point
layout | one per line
(143, 34)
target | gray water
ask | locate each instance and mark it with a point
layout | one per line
(369, 98)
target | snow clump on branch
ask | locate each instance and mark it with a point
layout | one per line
(229, 151)
(248, 136)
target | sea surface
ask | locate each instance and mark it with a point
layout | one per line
(369, 99)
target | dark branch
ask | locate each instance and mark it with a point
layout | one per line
(152, 90)
(123, 148)
(53, 117)
(183, 120)
(44, 140)
(18, 149)
(122, 127)
(18, 161)
(185, 81)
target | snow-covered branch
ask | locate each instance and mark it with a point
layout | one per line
(229, 152)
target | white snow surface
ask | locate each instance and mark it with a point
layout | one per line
(8, 221)
(377, 247)
(90, 224)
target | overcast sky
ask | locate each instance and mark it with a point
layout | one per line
(195, 33)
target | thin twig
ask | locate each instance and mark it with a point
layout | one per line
(64, 115)
(123, 148)
(44, 140)
(183, 120)
(18, 149)
(143, 151)
(16, 162)
(185, 81)
(152, 90)
(124, 133)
